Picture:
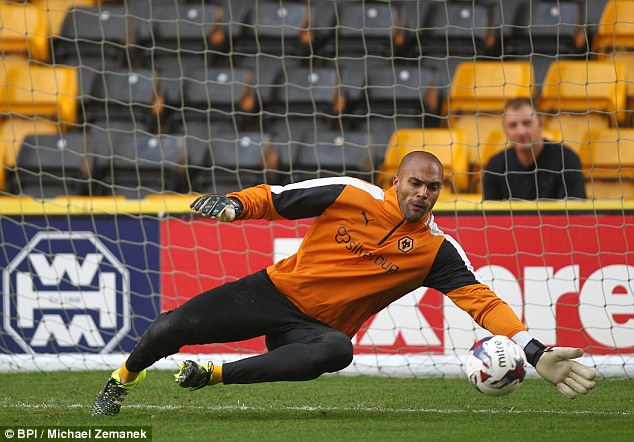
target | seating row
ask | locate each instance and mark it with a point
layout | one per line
(142, 96)
(86, 32)
(135, 164)
(607, 158)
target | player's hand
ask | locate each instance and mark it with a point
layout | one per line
(217, 207)
(570, 377)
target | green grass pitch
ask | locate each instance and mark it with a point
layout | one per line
(332, 408)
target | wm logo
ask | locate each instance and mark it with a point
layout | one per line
(66, 293)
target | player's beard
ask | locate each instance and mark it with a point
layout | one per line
(416, 211)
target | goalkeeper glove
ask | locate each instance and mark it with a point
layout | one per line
(218, 207)
(557, 367)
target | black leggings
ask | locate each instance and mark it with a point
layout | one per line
(300, 347)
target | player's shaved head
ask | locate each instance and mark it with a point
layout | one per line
(418, 182)
(416, 157)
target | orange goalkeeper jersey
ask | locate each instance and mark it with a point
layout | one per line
(360, 255)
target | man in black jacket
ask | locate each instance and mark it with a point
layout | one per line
(531, 168)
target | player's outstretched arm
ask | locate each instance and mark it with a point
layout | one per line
(217, 207)
(556, 365)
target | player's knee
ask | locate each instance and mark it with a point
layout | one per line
(335, 352)
(169, 326)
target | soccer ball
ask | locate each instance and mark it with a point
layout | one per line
(496, 365)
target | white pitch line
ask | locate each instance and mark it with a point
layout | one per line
(22, 405)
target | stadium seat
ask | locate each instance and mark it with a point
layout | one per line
(608, 163)
(231, 26)
(265, 69)
(381, 128)
(457, 28)
(626, 59)
(136, 164)
(333, 154)
(485, 86)
(7, 65)
(12, 131)
(174, 78)
(398, 89)
(48, 91)
(289, 129)
(448, 145)
(99, 37)
(24, 31)
(616, 28)
(56, 11)
(129, 98)
(413, 17)
(220, 94)
(230, 162)
(580, 89)
(540, 63)
(443, 69)
(503, 16)
(52, 165)
(594, 9)
(548, 27)
(373, 28)
(354, 72)
(277, 28)
(203, 130)
(181, 33)
(307, 91)
(478, 94)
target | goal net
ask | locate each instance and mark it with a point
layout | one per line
(117, 114)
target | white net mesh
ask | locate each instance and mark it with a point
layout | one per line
(116, 114)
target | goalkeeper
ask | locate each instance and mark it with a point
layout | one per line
(365, 249)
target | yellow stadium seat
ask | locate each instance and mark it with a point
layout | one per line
(616, 27)
(24, 31)
(477, 128)
(7, 64)
(608, 162)
(448, 145)
(478, 94)
(50, 91)
(56, 11)
(625, 58)
(485, 86)
(12, 132)
(574, 128)
(583, 87)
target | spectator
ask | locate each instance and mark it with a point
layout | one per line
(532, 168)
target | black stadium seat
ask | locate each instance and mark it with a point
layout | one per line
(548, 27)
(129, 98)
(457, 28)
(98, 37)
(137, 164)
(52, 165)
(220, 95)
(276, 28)
(229, 162)
(333, 154)
(180, 33)
(307, 90)
(372, 28)
(398, 89)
